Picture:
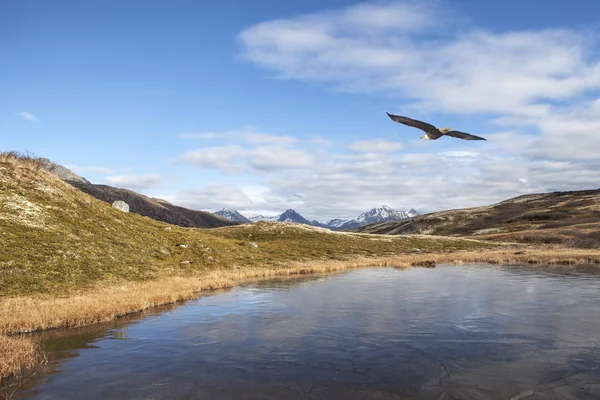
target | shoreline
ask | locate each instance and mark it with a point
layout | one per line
(22, 315)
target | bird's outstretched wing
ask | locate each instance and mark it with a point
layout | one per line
(424, 126)
(463, 135)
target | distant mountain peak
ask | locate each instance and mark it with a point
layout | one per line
(232, 215)
(261, 217)
(382, 213)
(291, 215)
(413, 212)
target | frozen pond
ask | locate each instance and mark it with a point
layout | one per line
(453, 332)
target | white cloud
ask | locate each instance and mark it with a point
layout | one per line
(533, 87)
(265, 153)
(134, 181)
(472, 71)
(247, 136)
(213, 197)
(344, 185)
(275, 158)
(27, 116)
(375, 146)
(225, 158)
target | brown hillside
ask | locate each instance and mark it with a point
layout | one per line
(572, 218)
(156, 209)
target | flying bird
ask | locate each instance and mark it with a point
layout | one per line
(431, 132)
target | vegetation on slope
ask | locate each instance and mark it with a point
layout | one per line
(569, 218)
(57, 240)
(157, 209)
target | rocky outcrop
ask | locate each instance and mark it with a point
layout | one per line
(62, 172)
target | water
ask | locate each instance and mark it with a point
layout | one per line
(453, 332)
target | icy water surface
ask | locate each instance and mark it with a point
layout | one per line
(453, 332)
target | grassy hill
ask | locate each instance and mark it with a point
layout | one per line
(570, 218)
(157, 209)
(57, 239)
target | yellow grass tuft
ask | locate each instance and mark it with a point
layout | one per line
(16, 355)
(32, 313)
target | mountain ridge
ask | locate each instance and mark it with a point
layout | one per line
(376, 214)
(232, 215)
(569, 217)
(157, 209)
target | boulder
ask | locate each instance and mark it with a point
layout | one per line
(121, 205)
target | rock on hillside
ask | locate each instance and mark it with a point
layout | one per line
(62, 172)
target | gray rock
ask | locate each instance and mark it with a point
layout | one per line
(253, 244)
(62, 172)
(121, 205)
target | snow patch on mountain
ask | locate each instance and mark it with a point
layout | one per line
(373, 216)
(256, 218)
(413, 212)
(335, 223)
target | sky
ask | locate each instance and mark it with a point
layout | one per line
(267, 105)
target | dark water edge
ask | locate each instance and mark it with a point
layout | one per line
(453, 332)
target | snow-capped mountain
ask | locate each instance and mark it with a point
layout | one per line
(263, 218)
(335, 223)
(232, 215)
(375, 215)
(413, 212)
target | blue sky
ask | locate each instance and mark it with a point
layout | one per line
(267, 105)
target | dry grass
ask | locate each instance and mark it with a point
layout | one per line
(24, 159)
(26, 314)
(17, 354)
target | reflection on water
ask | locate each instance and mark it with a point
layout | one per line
(444, 333)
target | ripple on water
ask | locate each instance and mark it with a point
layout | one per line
(468, 332)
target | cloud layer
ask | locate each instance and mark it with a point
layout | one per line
(136, 182)
(390, 49)
(537, 90)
